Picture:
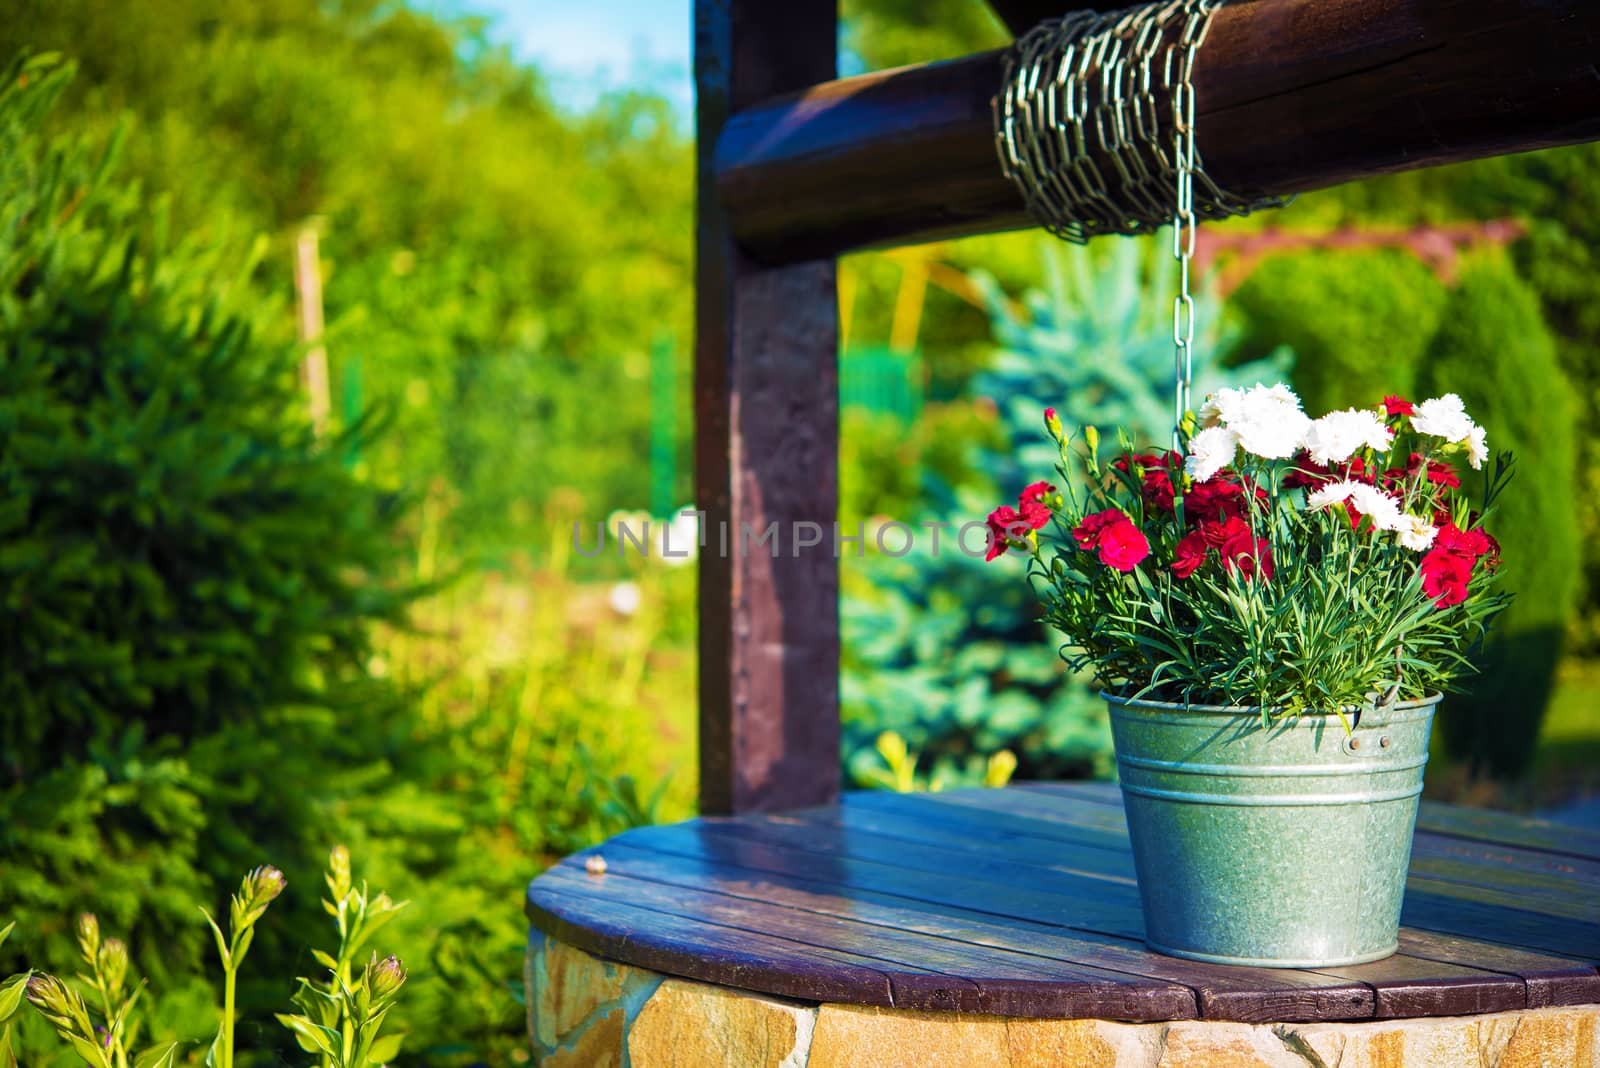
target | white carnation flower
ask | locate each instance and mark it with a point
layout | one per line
(1337, 435)
(1477, 447)
(1210, 412)
(1268, 420)
(1443, 417)
(1209, 452)
(1368, 500)
(1415, 532)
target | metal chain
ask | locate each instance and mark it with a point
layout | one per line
(1090, 93)
(1184, 223)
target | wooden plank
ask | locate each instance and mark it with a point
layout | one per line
(926, 971)
(1110, 858)
(1410, 986)
(1293, 95)
(1249, 994)
(706, 952)
(1496, 916)
(1550, 979)
(988, 884)
(1502, 828)
(766, 440)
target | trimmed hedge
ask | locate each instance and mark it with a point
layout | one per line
(1494, 349)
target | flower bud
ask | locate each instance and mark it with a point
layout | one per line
(89, 934)
(339, 872)
(113, 963)
(1052, 423)
(386, 977)
(263, 885)
(1091, 435)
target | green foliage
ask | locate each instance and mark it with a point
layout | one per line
(349, 1008)
(1495, 351)
(190, 575)
(491, 266)
(949, 652)
(192, 582)
(894, 33)
(1358, 322)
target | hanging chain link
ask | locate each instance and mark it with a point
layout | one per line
(1095, 126)
(1185, 226)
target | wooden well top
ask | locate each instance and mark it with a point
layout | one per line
(1022, 902)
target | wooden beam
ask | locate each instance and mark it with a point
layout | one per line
(766, 439)
(1293, 95)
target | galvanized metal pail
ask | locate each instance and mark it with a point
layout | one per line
(1279, 846)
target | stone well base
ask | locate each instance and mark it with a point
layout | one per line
(584, 1012)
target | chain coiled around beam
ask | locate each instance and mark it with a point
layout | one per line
(1089, 118)
(1088, 92)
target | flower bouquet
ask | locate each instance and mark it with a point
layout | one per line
(1273, 613)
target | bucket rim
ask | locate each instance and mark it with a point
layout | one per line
(1254, 711)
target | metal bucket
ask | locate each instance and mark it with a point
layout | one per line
(1284, 846)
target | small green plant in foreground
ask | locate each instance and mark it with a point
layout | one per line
(342, 1019)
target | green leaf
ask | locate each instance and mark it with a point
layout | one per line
(91, 1052)
(222, 943)
(214, 1052)
(157, 1056)
(313, 1037)
(385, 1049)
(11, 992)
(6, 931)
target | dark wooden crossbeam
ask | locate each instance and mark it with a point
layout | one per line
(1293, 95)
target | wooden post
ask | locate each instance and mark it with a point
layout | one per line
(766, 442)
(308, 295)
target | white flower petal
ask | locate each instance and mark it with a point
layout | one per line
(1443, 417)
(1210, 451)
(1415, 533)
(1477, 447)
(1336, 436)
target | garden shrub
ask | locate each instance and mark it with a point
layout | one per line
(188, 574)
(1494, 349)
(1358, 322)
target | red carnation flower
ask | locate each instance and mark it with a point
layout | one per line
(1445, 576)
(1307, 473)
(1398, 406)
(1035, 492)
(1156, 484)
(1212, 501)
(1189, 554)
(1123, 546)
(1000, 522)
(1241, 550)
(1435, 471)
(1111, 534)
(1087, 533)
(1467, 544)
(1034, 514)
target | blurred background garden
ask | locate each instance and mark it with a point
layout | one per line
(323, 321)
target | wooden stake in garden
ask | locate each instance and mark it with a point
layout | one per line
(308, 298)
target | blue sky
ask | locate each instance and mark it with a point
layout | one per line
(585, 47)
